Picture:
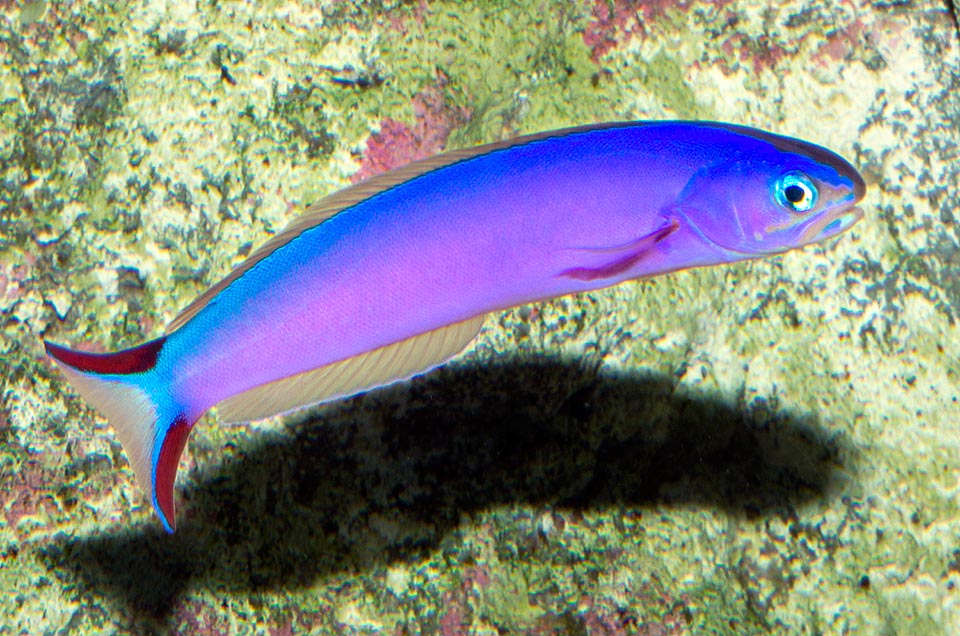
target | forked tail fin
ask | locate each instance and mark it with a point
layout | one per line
(152, 429)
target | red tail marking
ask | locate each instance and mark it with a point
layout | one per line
(165, 473)
(136, 360)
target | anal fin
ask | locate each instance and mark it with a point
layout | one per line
(379, 367)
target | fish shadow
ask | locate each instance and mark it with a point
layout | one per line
(390, 475)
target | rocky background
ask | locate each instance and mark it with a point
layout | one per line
(764, 448)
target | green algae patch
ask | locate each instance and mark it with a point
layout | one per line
(662, 76)
(507, 604)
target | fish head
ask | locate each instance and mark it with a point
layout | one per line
(773, 196)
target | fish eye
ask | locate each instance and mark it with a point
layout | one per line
(796, 192)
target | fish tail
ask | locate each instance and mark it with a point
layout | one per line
(137, 402)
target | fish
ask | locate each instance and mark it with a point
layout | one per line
(393, 276)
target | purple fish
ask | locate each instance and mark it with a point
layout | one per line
(393, 276)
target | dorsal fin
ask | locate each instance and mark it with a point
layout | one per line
(352, 195)
(379, 367)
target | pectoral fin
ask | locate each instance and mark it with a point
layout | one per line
(622, 257)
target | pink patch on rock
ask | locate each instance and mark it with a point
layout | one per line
(398, 144)
(393, 146)
(454, 621)
(844, 43)
(759, 53)
(599, 621)
(840, 44)
(13, 279)
(478, 577)
(24, 492)
(611, 24)
(196, 617)
(285, 629)
(398, 19)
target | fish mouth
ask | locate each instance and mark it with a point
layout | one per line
(831, 224)
(846, 214)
